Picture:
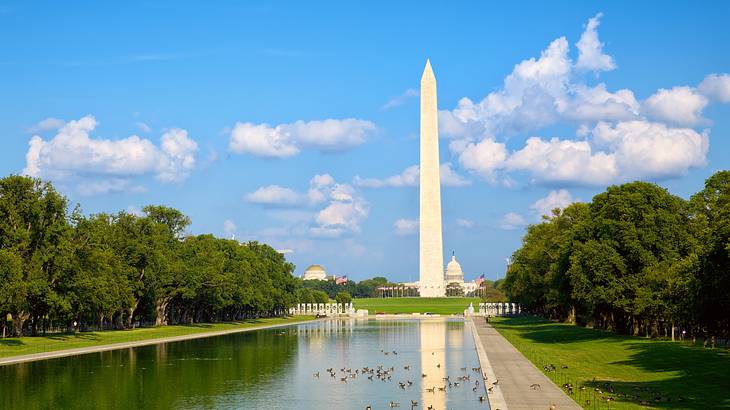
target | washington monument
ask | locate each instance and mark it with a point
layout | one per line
(431, 257)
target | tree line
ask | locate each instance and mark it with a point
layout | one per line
(64, 270)
(636, 260)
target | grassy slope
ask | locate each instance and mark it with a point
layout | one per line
(443, 306)
(632, 366)
(29, 345)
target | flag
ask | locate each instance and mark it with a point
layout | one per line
(340, 280)
(479, 280)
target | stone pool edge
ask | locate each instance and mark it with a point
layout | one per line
(125, 345)
(496, 399)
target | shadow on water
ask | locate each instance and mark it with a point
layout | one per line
(695, 378)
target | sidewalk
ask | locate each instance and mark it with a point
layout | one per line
(516, 374)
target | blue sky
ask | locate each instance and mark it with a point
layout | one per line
(297, 125)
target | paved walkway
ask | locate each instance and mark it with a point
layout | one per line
(516, 374)
(125, 345)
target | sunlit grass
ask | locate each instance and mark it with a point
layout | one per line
(657, 373)
(442, 306)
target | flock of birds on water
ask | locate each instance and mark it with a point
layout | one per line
(386, 374)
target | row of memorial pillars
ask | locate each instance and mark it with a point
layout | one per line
(499, 308)
(396, 291)
(326, 309)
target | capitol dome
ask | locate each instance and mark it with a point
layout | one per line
(453, 271)
(315, 272)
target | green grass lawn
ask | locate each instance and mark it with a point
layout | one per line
(443, 306)
(661, 374)
(16, 346)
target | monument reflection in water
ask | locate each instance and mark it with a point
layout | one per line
(269, 369)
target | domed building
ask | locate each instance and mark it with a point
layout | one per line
(315, 272)
(453, 272)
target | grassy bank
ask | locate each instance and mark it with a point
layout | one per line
(443, 306)
(29, 345)
(634, 372)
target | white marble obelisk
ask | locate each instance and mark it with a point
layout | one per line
(431, 258)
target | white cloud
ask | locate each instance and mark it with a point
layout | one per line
(143, 127)
(652, 150)
(590, 49)
(650, 138)
(483, 158)
(286, 140)
(680, 106)
(465, 223)
(178, 157)
(405, 227)
(47, 124)
(229, 228)
(274, 195)
(73, 153)
(341, 209)
(512, 220)
(563, 161)
(449, 177)
(400, 99)
(410, 177)
(555, 199)
(716, 87)
(108, 186)
(261, 140)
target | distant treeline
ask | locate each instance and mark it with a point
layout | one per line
(112, 270)
(636, 260)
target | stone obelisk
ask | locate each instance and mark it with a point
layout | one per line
(431, 258)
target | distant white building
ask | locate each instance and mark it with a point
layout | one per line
(452, 274)
(315, 272)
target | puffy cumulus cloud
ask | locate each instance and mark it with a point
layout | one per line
(617, 138)
(645, 149)
(590, 49)
(261, 140)
(345, 210)
(465, 223)
(716, 87)
(512, 220)
(411, 177)
(449, 177)
(178, 155)
(679, 105)
(286, 140)
(405, 227)
(274, 195)
(339, 209)
(73, 153)
(483, 157)
(563, 161)
(555, 199)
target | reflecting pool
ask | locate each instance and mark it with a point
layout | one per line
(374, 361)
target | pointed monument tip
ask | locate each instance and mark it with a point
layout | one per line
(427, 70)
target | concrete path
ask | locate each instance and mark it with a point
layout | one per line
(516, 374)
(114, 346)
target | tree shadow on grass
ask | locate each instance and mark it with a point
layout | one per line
(542, 331)
(11, 342)
(701, 381)
(697, 378)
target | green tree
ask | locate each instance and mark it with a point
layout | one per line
(343, 298)
(34, 227)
